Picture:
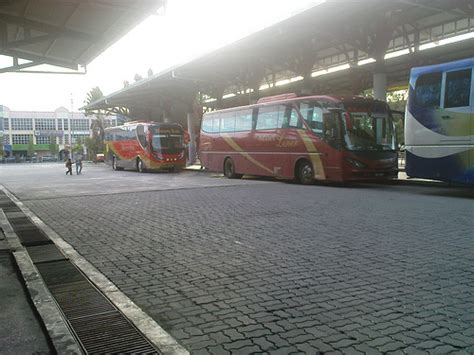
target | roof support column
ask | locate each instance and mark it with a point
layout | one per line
(383, 31)
(380, 86)
(192, 139)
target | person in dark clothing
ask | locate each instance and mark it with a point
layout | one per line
(69, 167)
(79, 166)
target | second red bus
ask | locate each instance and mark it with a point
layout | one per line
(304, 138)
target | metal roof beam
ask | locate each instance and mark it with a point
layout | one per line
(431, 7)
(63, 26)
(30, 40)
(35, 58)
(109, 5)
(46, 28)
(466, 6)
(17, 67)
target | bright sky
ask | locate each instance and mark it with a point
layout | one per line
(187, 30)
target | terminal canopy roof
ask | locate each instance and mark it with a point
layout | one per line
(65, 33)
(361, 35)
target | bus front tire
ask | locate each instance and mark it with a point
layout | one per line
(229, 170)
(305, 173)
(140, 166)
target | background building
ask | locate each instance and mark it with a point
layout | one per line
(60, 127)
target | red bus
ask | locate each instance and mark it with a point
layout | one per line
(145, 146)
(304, 138)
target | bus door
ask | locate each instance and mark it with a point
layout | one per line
(425, 108)
(457, 119)
(324, 143)
(265, 155)
(289, 145)
(456, 113)
(236, 128)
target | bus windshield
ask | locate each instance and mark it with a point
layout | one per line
(365, 131)
(168, 142)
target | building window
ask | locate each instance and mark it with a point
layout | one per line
(43, 140)
(66, 124)
(74, 138)
(22, 124)
(6, 124)
(60, 124)
(45, 124)
(6, 139)
(66, 139)
(21, 138)
(79, 125)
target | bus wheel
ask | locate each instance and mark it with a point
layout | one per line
(114, 163)
(305, 173)
(229, 170)
(140, 166)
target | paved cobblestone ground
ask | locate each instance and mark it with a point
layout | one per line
(281, 268)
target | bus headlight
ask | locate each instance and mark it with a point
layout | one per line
(355, 163)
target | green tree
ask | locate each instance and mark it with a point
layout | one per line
(98, 124)
(91, 148)
(53, 147)
(397, 101)
(2, 153)
(78, 147)
(31, 147)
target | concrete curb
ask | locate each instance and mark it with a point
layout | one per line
(144, 323)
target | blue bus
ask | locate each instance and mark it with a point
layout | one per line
(439, 122)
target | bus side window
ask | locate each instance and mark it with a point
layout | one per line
(227, 122)
(243, 121)
(458, 88)
(313, 115)
(215, 125)
(270, 117)
(428, 90)
(207, 124)
(291, 118)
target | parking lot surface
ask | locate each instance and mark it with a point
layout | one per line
(252, 266)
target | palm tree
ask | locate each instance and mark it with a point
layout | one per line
(98, 124)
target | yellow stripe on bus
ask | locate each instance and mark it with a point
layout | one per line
(315, 158)
(237, 148)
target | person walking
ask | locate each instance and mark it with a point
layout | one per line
(69, 166)
(79, 165)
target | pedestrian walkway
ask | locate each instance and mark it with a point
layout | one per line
(21, 332)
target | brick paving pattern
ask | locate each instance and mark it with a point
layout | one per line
(280, 268)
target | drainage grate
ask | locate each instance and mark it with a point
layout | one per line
(27, 231)
(110, 333)
(81, 299)
(32, 236)
(14, 214)
(99, 326)
(18, 220)
(45, 253)
(59, 273)
(9, 208)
